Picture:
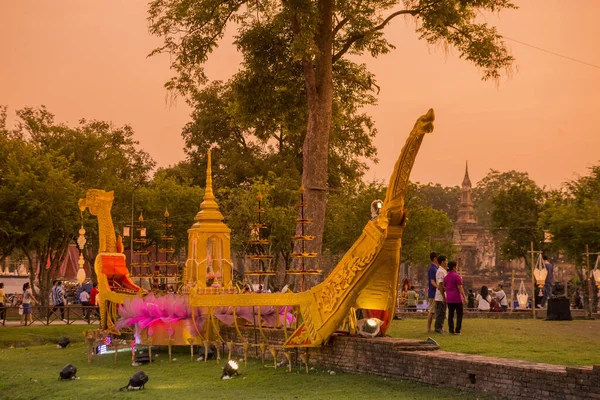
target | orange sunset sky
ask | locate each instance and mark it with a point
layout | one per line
(87, 59)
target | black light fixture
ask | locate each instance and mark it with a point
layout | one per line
(68, 372)
(229, 370)
(136, 381)
(63, 342)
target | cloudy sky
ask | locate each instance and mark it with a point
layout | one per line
(87, 59)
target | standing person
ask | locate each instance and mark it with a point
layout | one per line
(94, 297)
(27, 300)
(3, 301)
(501, 298)
(549, 280)
(578, 302)
(484, 299)
(455, 297)
(58, 298)
(84, 299)
(411, 299)
(440, 295)
(431, 287)
(471, 299)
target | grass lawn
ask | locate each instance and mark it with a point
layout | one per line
(553, 342)
(30, 371)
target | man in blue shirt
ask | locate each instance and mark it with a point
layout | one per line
(431, 287)
(549, 280)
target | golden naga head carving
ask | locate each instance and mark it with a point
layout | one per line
(424, 124)
(96, 199)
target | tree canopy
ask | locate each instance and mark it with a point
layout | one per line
(45, 167)
(573, 217)
(301, 46)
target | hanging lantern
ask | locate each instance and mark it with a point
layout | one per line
(126, 231)
(81, 240)
(540, 273)
(522, 296)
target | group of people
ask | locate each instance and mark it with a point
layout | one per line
(27, 299)
(86, 297)
(488, 300)
(58, 300)
(445, 290)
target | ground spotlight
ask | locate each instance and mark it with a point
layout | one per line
(229, 370)
(136, 382)
(63, 342)
(68, 372)
(369, 327)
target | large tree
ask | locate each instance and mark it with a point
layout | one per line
(573, 219)
(321, 34)
(509, 203)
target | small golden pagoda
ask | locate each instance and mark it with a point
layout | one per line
(208, 267)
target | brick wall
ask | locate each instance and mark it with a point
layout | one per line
(406, 359)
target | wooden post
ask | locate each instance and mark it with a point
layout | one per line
(588, 276)
(512, 289)
(170, 352)
(533, 305)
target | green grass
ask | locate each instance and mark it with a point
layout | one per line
(553, 342)
(30, 371)
(20, 336)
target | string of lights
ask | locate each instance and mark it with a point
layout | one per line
(553, 53)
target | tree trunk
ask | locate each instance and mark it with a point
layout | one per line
(318, 78)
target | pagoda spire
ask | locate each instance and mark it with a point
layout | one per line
(209, 209)
(466, 180)
(466, 213)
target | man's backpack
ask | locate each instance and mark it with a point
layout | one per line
(136, 382)
(68, 372)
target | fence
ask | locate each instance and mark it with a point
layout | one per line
(47, 315)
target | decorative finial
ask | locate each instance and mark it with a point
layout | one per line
(302, 190)
(259, 197)
(141, 218)
(208, 193)
(209, 209)
(167, 213)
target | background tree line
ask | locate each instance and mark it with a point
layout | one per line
(46, 166)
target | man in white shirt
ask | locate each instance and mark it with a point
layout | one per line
(440, 296)
(501, 298)
(84, 299)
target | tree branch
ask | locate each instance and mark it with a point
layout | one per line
(357, 36)
(340, 25)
